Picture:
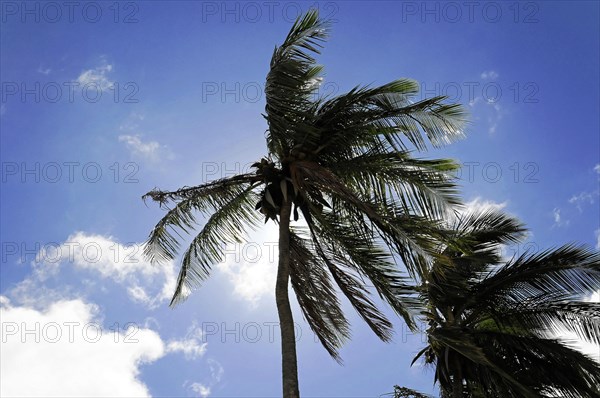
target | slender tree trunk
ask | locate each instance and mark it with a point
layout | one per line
(286, 321)
(457, 384)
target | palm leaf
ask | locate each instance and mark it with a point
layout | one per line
(290, 82)
(316, 296)
(163, 241)
(226, 226)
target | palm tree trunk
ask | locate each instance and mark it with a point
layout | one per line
(286, 321)
(458, 384)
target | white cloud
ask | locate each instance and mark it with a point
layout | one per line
(97, 77)
(582, 199)
(559, 220)
(492, 75)
(151, 321)
(133, 140)
(475, 101)
(492, 109)
(479, 205)
(597, 168)
(67, 346)
(200, 389)
(495, 118)
(131, 122)
(556, 214)
(63, 350)
(191, 345)
(204, 389)
(597, 232)
(148, 150)
(74, 356)
(148, 284)
(33, 292)
(251, 280)
(251, 267)
(44, 71)
(216, 370)
(191, 348)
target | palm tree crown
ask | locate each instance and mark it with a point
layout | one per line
(344, 165)
(493, 324)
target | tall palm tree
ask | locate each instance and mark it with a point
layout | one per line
(342, 164)
(493, 324)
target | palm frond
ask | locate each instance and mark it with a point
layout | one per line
(394, 227)
(209, 189)
(316, 296)
(337, 243)
(465, 345)
(365, 116)
(290, 82)
(487, 227)
(529, 358)
(423, 187)
(493, 326)
(546, 317)
(226, 226)
(566, 273)
(163, 241)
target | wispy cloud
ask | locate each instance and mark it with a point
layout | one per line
(494, 111)
(494, 119)
(191, 348)
(478, 205)
(556, 214)
(200, 389)
(582, 199)
(149, 150)
(131, 123)
(491, 75)
(44, 71)
(597, 233)
(216, 370)
(133, 140)
(475, 101)
(203, 390)
(191, 345)
(559, 220)
(97, 77)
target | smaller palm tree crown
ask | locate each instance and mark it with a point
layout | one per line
(493, 324)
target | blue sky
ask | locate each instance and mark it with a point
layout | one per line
(104, 101)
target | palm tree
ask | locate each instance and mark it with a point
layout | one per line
(344, 165)
(493, 324)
